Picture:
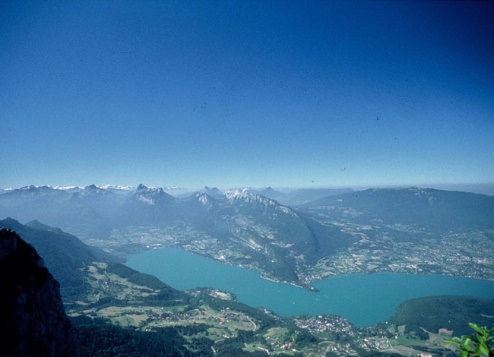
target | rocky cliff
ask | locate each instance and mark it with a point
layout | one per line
(32, 317)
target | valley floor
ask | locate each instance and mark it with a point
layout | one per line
(455, 254)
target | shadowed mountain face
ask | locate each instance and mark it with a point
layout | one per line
(64, 254)
(32, 317)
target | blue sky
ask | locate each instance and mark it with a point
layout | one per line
(246, 93)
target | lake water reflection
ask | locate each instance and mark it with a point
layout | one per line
(363, 299)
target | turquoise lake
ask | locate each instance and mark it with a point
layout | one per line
(363, 299)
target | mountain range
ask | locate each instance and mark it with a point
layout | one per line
(245, 227)
(275, 238)
(437, 210)
(425, 230)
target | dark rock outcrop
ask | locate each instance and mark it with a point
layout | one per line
(32, 317)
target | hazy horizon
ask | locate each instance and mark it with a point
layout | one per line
(481, 188)
(247, 94)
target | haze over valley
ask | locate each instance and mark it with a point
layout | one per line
(324, 234)
(411, 230)
(347, 151)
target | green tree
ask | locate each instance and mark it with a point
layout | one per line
(480, 343)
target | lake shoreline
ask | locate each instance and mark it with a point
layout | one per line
(363, 299)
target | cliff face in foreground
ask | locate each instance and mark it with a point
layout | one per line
(32, 317)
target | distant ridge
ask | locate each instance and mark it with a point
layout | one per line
(436, 209)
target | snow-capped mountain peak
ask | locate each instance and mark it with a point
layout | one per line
(247, 196)
(239, 194)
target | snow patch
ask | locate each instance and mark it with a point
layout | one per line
(146, 200)
(203, 198)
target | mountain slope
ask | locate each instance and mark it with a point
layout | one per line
(64, 254)
(251, 230)
(32, 317)
(80, 268)
(31, 202)
(447, 312)
(147, 206)
(435, 209)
